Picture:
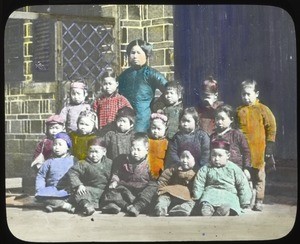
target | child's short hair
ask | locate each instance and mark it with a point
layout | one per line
(250, 83)
(78, 84)
(176, 85)
(141, 136)
(220, 143)
(109, 73)
(193, 112)
(89, 114)
(231, 113)
(210, 85)
(97, 142)
(127, 113)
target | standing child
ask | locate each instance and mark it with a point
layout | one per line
(209, 103)
(49, 185)
(258, 124)
(171, 106)
(175, 187)
(221, 188)
(158, 143)
(70, 113)
(110, 101)
(89, 177)
(54, 124)
(131, 188)
(118, 138)
(189, 135)
(87, 124)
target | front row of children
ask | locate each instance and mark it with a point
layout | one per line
(126, 183)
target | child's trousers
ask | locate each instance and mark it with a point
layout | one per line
(259, 182)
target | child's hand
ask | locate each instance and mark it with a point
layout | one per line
(113, 184)
(270, 163)
(247, 173)
(81, 190)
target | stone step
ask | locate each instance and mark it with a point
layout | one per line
(282, 189)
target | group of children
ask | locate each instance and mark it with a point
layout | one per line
(207, 160)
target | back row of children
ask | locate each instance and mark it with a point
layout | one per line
(191, 158)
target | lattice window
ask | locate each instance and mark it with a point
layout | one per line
(87, 51)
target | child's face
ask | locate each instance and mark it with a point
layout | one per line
(219, 157)
(187, 123)
(123, 124)
(249, 95)
(53, 129)
(171, 96)
(138, 150)
(157, 128)
(187, 161)
(210, 98)
(110, 85)
(85, 126)
(60, 147)
(223, 121)
(95, 153)
(77, 95)
(137, 56)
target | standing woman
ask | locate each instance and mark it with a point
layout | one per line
(139, 82)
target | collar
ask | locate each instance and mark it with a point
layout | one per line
(224, 131)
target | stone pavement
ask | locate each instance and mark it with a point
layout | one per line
(35, 225)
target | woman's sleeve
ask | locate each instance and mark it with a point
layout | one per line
(158, 80)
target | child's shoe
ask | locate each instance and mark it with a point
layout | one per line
(179, 211)
(111, 208)
(68, 207)
(158, 211)
(48, 209)
(207, 209)
(132, 211)
(258, 206)
(88, 209)
(223, 210)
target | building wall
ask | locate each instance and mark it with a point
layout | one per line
(28, 104)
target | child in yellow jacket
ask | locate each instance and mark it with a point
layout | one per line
(258, 124)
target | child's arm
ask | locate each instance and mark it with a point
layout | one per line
(245, 150)
(64, 113)
(172, 157)
(243, 189)
(205, 149)
(41, 177)
(270, 127)
(165, 177)
(199, 183)
(75, 173)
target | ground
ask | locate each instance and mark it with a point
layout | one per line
(35, 225)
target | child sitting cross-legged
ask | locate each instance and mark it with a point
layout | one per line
(50, 185)
(220, 187)
(89, 177)
(175, 185)
(131, 188)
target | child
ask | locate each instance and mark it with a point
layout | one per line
(158, 144)
(54, 124)
(88, 178)
(175, 186)
(110, 101)
(139, 82)
(189, 134)
(258, 124)
(209, 103)
(239, 148)
(87, 124)
(171, 106)
(131, 188)
(221, 188)
(70, 113)
(49, 185)
(119, 137)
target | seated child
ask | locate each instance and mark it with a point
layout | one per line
(258, 124)
(110, 101)
(70, 113)
(171, 106)
(221, 188)
(87, 125)
(189, 134)
(49, 184)
(54, 124)
(118, 138)
(131, 188)
(89, 177)
(175, 187)
(158, 143)
(208, 104)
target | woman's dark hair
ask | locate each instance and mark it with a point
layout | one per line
(145, 46)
